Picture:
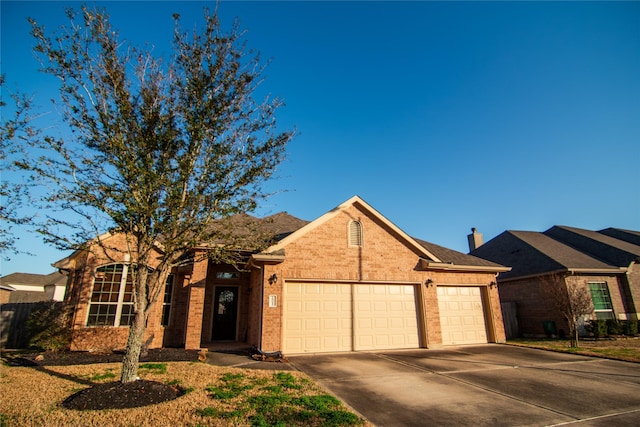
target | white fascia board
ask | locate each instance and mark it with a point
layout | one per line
(445, 266)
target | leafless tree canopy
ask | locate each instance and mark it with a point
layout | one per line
(570, 298)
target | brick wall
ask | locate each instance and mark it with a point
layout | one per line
(632, 279)
(254, 310)
(195, 311)
(533, 307)
(80, 287)
(174, 334)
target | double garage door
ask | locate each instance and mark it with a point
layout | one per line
(331, 317)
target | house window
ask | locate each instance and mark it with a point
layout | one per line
(227, 275)
(601, 300)
(355, 233)
(112, 297)
(166, 303)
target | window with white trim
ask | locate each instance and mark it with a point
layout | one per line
(111, 301)
(166, 302)
(355, 233)
(601, 300)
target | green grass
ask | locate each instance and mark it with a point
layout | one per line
(102, 376)
(282, 401)
(156, 368)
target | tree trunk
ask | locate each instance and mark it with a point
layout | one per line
(573, 334)
(134, 347)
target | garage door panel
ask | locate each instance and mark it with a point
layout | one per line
(462, 316)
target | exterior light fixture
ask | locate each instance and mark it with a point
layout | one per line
(429, 282)
(493, 285)
(273, 279)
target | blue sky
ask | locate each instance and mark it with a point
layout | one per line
(442, 115)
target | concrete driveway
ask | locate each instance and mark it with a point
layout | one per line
(482, 385)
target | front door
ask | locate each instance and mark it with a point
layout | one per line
(225, 313)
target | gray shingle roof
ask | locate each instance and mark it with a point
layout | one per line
(282, 224)
(629, 236)
(601, 246)
(34, 279)
(532, 253)
(458, 258)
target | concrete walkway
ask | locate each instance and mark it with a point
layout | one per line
(483, 385)
(242, 359)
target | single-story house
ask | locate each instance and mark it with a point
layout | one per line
(606, 262)
(28, 287)
(349, 280)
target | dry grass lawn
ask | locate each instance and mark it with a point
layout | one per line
(627, 349)
(31, 396)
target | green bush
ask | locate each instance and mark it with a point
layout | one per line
(630, 327)
(598, 328)
(48, 327)
(614, 327)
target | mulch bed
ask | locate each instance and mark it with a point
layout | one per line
(117, 395)
(67, 358)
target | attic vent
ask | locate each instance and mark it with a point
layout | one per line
(355, 233)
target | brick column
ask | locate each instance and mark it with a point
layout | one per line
(193, 335)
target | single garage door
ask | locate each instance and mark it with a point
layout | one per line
(385, 317)
(326, 317)
(462, 315)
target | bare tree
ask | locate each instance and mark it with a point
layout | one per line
(570, 298)
(161, 149)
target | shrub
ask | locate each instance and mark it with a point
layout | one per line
(597, 327)
(630, 327)
(47, 327)
(614, 327)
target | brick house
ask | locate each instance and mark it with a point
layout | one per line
(349, 280)
(606, 262)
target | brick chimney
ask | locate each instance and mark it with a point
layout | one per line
(475, 240)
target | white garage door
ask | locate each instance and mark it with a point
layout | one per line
(461, 315)
(324, 317)
(317, 317)
(385, 317)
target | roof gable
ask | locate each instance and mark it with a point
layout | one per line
(358, 202)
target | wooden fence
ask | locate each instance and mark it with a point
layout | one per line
(13, 322)
(510, 318)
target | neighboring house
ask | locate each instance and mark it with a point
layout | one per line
(349, 280)
(27, 287)
(606, 262)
